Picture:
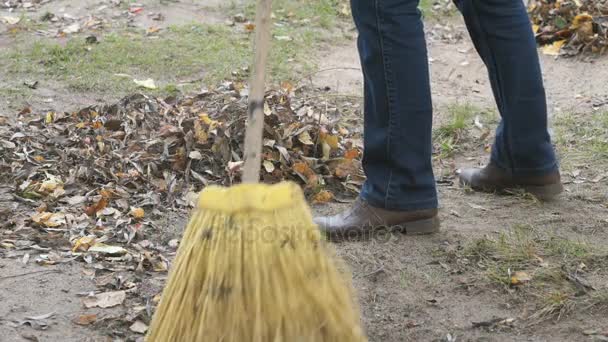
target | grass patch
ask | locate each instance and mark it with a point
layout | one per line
(206, 52)
(450, 134)
(582, 137)
(311, 14)
(557, 268)
(445, 8)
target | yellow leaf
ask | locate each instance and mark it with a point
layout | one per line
(326, 150)
(553, 49)
(580, 19)
(305, 138)
(49, 219)
(520, 278)
(250, 27)
(50, 116)
(200, 134)
(535, 28)
(204, 117)
(39, 159)
(50, 185)
(331, 140)
(84, 243)
(137, 213)
(323, 196)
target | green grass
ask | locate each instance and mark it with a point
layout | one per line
(449, 135)
(205, 53)
(582, 137)
(311, 13)
(549, 260)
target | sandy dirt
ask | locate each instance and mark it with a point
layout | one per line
(407, 292)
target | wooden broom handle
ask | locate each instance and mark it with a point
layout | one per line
(255, 119)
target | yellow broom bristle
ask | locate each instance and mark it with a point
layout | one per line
(253, 267)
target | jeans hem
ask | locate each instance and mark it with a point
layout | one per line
(527, 172)
(430, 203)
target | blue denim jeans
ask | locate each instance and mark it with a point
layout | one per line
(398, 108)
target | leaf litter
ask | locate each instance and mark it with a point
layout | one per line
(90, 185)
(570, 27)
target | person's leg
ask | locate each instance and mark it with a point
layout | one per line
(400, 186)
(398, 109)
(502, 34)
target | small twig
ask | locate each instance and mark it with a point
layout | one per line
(489, 323)
(29, 273)
(376, 272)
(331, 95)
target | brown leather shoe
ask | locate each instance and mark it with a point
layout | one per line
(362, 221)
(494, 179)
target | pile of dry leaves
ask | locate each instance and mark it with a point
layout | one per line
(144, 154)
(90, 185)
(569, 27)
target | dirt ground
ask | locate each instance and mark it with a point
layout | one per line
(410, 288)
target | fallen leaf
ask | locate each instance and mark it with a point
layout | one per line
(323, 196)
(331, 140)
(105, 300)
(47, 219)
(137, 213)
(106, 249)
(305, 138)
(196, 155)
(97, 207)
(139, 327)
(268, 166)
(520, 278)
(352, 154)
(85, 319)
(148, 84)
(306, 173)
(554, 49)
(84, 243)
(10, 20)
(249, 27)
(345, 168)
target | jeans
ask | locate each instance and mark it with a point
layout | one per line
(398, 107)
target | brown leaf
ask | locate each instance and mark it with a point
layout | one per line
(306, 173)
(352, 154)
(49, 219)
(137, 213)
(346, 168)
(99, 206)
(323, 196)
(85, 319)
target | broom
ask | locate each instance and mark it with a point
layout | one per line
(252, 266)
